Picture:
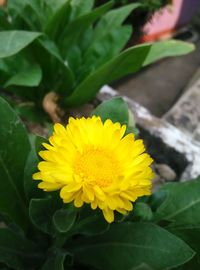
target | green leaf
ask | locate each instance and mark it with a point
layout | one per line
(30, 112)
(104, 49)
(64, 219)
(4, 24)
(182, 204)
(127, 62)
(58, 22)
(80, 7)
(167, 48)
(30, 185)
(41, 212)
(143, 266)
(189, 234)
(55, 62)
(193, 264)
(90, 222)
(143, 211)
(109, 37)
(128, 245)
(17, 252)
(91, 225)
(113, 19)
(55, 260)
(14, 149)
(78, 26)
(14, 41)
(30, 77)
(115, 109)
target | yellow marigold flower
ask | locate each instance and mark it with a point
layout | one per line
(93, 162)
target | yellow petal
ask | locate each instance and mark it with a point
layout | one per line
(108, 215)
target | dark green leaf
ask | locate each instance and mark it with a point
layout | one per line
(143, 211)
(78, 26)
(14, 149)
(127, 62)
(91, 225)
(4, 24)
(114, 18)
(109, 37)
(14, 41)
(143, 266)
(55, 260)
(115, 109)
(62, 68)
(64, 219)
(41, 212)
(17, 252)
(30, 185)
(29, 77)
(189, 234)
(80, 7)
(182, 204)
(59, 21)
(30, 112)
(128, 245)
(104, 49)
(90, 222)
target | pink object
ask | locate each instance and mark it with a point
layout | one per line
(168, 19)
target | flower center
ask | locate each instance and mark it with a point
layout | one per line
(97, 167)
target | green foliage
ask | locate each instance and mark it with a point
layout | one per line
(12, 137)
(150, 5)
(39, 232)
(183, 212)
(127, 62)
(70, 47)
(13, 42)
(127, 245)
(116, 109)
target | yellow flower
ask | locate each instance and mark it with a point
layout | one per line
(93, 162)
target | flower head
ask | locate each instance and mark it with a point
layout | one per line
(94, 162)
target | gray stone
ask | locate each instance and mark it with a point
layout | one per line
(166, 172)
(159, 86)
(185, 114)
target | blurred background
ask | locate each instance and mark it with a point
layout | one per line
(159, 87)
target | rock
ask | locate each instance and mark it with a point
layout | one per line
(185, 114)
(166, 172)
